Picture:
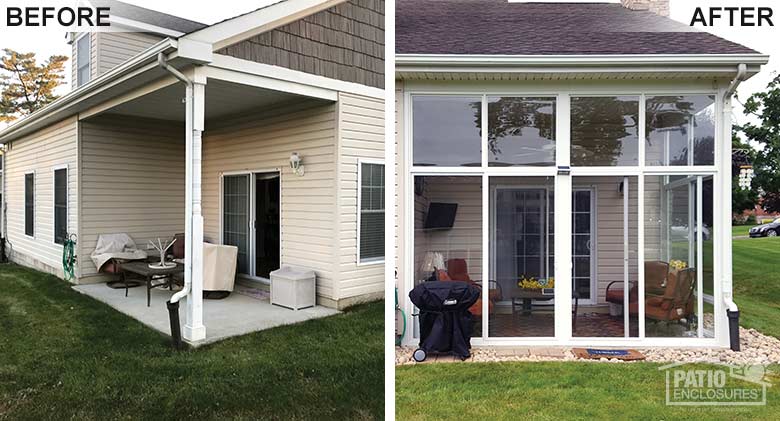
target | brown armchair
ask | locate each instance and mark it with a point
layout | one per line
(677, 301)
(457, 270)
(656, 280)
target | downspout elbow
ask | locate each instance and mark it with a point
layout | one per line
(738, 78)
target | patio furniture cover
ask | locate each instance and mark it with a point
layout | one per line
(445, 320)
(219, 267)
(115, 246)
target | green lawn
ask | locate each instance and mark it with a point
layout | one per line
(552, 391)
(64, 355)
(565, 390)
(740, 230)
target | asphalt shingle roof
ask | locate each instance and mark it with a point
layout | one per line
(148, 16)
(498, 27)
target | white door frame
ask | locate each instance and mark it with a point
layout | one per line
(252, 220)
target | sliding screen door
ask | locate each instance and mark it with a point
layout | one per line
(235, 217)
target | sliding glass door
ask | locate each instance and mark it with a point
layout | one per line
(235, 217)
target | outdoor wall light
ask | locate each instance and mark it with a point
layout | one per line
(296, 164)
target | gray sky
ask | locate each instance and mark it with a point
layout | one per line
(46, 43)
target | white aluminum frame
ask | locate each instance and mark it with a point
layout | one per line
(563, 91)
(360, 162)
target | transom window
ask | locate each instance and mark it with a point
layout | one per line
(605, 131)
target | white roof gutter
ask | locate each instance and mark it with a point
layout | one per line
(59, 109)
(579, 59)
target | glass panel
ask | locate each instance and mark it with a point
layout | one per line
(372, 211)
(708, 235)
(448, 234)
(599, 304)
(677, 124)
(671, 307)
(521, 131)
(235, 227)
(29, 204)
(447, 131)
(83, 60)
(522, 271)
(60, 205)
(604, 131)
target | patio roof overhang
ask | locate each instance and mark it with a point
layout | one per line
(574, 66)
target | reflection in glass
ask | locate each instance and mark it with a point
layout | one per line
(521, 241)
(671, 268)
(447, 131)
(448, 233)
(604, 131)
(677, 124)
(521, 131)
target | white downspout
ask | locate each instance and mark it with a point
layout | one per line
(188, 179)
(193, 243)
(727, 283)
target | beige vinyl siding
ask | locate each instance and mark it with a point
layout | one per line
(401, 260)
(361, 135)
(40, 152)
(258, 142)
(114, 48)
(132, 181)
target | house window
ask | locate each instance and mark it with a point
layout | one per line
(60, 205)
(83, 57)
(372, 212)
(447, 131)
(605, 131)
(29, 204)
(677, 125)
(521, 131)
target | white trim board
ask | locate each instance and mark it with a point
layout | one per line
(272, 16)
(221, 61)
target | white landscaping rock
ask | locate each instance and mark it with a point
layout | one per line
(757, 348)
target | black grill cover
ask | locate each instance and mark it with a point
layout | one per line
(445, 320)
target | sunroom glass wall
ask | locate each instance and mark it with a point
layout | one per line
(448, 233)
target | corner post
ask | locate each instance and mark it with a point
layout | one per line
(194, 330)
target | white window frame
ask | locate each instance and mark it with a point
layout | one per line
(360, 162)
(54, 201)
(563, 91)
(24, 203)
(79, 64)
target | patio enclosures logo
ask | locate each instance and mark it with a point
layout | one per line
(723, 385)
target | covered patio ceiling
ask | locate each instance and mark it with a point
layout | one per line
(223, 98)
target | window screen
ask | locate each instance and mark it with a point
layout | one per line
(372, 212)
(83, 59)
(29, 204)
(60, 205)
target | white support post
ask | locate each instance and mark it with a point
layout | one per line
(722, 228)
(626, 285)
(194, 330)
(563, 224)
(699, 258)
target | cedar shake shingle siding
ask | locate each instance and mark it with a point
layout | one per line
(499, 27)
(345, 42)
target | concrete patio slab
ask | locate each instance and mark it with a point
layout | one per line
(235, 315)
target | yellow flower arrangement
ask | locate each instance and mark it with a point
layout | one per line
(533, 283)
(678, 264)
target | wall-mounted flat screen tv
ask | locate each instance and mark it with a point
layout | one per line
(440, 216)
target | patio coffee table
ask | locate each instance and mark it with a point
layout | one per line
(151, 275)
(528, 295)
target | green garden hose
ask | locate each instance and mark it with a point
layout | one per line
(400, 337)
(69, 257)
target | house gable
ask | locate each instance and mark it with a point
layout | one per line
(344, 42)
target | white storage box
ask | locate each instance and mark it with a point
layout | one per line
(294, 288)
